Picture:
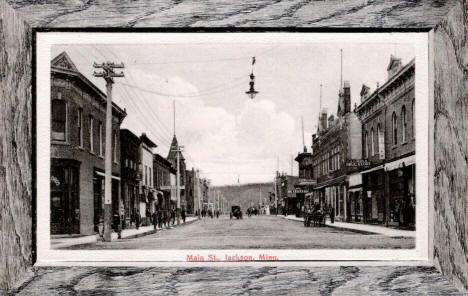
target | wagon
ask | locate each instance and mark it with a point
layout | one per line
(236, 212)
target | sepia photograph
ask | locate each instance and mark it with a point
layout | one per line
(232, 145)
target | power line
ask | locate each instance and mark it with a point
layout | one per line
(219, 89)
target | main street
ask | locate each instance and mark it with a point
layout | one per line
(256, 232)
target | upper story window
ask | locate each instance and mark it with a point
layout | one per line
(366, 145)
(80, 127)
(394, 129)
(403, 123)
(100, 139)
(114, 147)
(59, 120)
(91, 134)
(372, 141)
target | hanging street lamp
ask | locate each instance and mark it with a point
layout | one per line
(252, 92)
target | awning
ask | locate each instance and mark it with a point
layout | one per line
(355, 180)
(354, 189)
(102, 174)
(379, 167)
(400, 162)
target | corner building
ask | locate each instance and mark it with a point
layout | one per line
(389, 143)
(78, 124)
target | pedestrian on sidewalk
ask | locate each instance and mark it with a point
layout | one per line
(332, 214)
(137, 219)
(117, 226)
(160, 216)
(155, 220)
(183, 215)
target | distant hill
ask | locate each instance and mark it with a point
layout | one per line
(245, 194)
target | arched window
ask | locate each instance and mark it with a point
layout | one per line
(372, 142)
(413, 115)
(366, 145)
(59, 120)
(379, 135)
(403, 123)
(394, 129)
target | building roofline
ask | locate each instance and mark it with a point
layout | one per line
(91, 85)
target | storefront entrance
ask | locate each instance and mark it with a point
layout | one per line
(64, 197)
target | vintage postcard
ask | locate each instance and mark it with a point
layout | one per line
(228, 147)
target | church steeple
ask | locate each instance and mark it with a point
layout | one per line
(172, 151)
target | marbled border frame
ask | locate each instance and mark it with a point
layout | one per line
(448, 46)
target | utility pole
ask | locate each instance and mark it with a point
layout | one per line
(108, 74)
(276, 185)
(199, 193)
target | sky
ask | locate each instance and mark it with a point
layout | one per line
(226, 135)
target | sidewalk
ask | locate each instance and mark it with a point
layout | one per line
(365, 228)
(64, 242)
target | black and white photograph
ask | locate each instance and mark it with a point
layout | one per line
(233, 146)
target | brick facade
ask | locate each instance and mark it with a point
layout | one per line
(83, 101)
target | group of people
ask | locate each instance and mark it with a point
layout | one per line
(159, 219)
(325, 210)
(207, 213)
(166, 218)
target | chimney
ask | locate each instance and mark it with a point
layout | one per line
(323, 120)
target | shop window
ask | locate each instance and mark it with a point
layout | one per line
(59, 120)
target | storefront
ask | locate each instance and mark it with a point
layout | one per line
(402, 198)
(373, 195)
(98, 195)
(64, 196)
(354, 200)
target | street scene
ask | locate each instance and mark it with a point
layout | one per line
(233, 146)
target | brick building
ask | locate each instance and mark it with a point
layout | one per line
(147, 192)
(338, 140)
(78, 110)
(389, 143)
(130, 160)
(164, 182)
(305, 184)
(190, 190)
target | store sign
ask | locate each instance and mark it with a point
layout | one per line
(381, 146)
(358, 163)
(312, 181)
(369, 193)
(300, 190)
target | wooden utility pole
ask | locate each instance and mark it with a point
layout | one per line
(108, 74)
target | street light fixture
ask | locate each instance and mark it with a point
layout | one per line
(252, 92)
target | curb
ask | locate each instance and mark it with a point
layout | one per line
(341, 228)
(152, 231)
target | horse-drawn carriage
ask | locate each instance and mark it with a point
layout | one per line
(236, 212)
(315, 217)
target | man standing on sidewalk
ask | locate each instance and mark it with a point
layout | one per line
(183, 215)
(155, 219)
(332, 214)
